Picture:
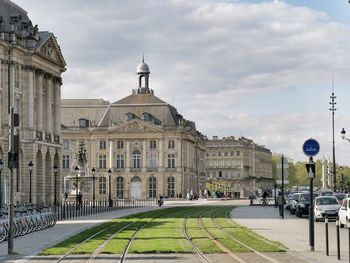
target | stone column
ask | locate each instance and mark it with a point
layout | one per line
(160, 166)
(57, 104)
(39, 109)
(144, 156)
(127, 157)
(111, 154)
(30, 99)
(48, 109)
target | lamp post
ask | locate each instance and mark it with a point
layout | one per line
(55, 169)
(93, 186)
(333, 109)
(110, 202)
(1, 163)
(30, 166)
(76, 186)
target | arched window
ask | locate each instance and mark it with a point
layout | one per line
(171, 187)
(152, 187)
(136, 159)
(120, 187)
(102, 185)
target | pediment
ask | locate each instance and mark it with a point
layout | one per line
(137, 126)
(52, 51)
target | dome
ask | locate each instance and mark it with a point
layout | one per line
(142, 68)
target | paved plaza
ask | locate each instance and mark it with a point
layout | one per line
(292, 232)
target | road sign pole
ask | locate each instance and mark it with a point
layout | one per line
(282, 189)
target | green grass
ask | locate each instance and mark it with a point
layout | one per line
(164, 234)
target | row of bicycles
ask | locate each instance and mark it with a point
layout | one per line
(26, 220)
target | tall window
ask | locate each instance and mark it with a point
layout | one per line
(152, 144)
(120, 161)
(65, 145)
(65, 161)
(171, 144)
(238, 153)
(120, 187)
(102, 145)
(152, 161)
(102, 161)
(102, 185)
(136, 159)
(152, 187)
(171, 160)
(171, 186)
(120, 145)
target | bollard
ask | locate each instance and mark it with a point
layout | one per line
(349, 238)
(338, 238)
(327, 241)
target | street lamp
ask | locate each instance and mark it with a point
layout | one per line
(93, 186)
(55, 169)
(1, 163)
(30, 166)
(343, 132)
(76, 186)
(110, 202)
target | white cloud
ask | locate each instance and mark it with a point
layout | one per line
(210, 57)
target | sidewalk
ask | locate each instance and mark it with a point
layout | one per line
(35, 242)
(293, 232)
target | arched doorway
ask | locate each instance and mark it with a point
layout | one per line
(135, 188)
(38, 179)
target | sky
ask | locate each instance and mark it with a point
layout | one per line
(258, 69)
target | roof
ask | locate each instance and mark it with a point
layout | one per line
(140, 99)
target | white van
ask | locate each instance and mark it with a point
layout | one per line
(344, 213)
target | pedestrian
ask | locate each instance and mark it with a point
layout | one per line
(265, 196)
(65, 196)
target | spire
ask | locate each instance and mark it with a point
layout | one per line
(143, 77)
(143, 58)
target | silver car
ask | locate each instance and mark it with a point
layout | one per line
(326, 205)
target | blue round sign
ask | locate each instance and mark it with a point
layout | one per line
(311, 147)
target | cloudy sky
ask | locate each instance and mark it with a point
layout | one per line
(259, 69)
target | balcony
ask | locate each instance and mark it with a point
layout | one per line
(48, 137)
(56, 139)
(135, 169)
(39, 135)
(152, 169)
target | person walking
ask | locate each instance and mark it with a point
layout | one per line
(280, 202)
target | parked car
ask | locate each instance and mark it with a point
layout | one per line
(325, 192)
(344, 213)
(326, 205)
(302, 204)
(293, 202)
(340, 197)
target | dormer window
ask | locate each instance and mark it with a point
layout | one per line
(83, 123)
(130, 116)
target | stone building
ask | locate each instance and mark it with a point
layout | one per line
(30, 81)
(149, 147)
(241, 162)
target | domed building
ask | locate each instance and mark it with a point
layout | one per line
(30, 82)
(148, 146)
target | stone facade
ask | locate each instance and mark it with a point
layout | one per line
(149, 147)
(30, 82)
(246, 165)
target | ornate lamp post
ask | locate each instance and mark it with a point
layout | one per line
(30, 166)
(1, 163)
(55, 169)
(343, 132)
(110, 202)
(93, 186)
(76, 186)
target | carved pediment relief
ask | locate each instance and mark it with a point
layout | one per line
(51, 50)
(136, 127)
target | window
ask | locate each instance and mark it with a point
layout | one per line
(225, 153)
(102, 162)
(171, 144)
(102, 185)
(152, 144)
(171, 160)
(171, 186)
(120, 145)
(65, 161)
(232, 153)
(120, 187)
(102, 145)
(120, 161)
(136, 159)
(238, 153)
(152, 162)
(152, 187)
(65, 145)
(220, 174)
(219, 154)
